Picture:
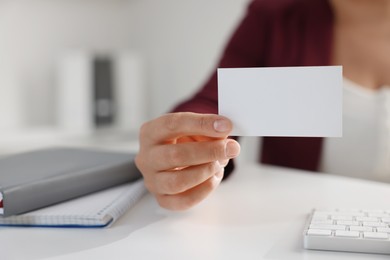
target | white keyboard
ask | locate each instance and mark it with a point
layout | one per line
(364, 231)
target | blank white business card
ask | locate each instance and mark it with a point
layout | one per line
(282, 101)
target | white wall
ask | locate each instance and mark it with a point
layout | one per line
(180, 40)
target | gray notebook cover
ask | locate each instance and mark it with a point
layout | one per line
(41, 178)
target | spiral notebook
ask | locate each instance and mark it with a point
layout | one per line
(99, 209)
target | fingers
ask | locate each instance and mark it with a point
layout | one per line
(190, 198)
(172, 126)
(167, 157)
(182, 157)
(175, 182)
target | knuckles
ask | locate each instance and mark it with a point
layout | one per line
(172, 183)
(172, 121)
(204, 123)
(175, 156)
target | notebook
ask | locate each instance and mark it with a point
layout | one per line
(99, 209)
(40, 178)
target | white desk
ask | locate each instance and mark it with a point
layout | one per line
(258, 213)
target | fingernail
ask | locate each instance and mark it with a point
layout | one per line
(232, 149)
(221, 125)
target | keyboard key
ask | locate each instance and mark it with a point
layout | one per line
(383, 230)
(386, 220)
(360, 228)
(376, 235)
(348, 223)
(374, 211)
(341, 217)
(319, 232)
(349, 213)
(378, 215)
(367, 219)
(342, 233)
(325, 226)
(375, 224)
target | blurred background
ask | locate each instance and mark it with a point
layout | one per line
(176, 44)
(75, 66)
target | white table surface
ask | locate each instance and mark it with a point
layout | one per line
(258, 213)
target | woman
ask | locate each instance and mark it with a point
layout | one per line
(183, 155)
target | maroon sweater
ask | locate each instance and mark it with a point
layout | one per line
(273, 34)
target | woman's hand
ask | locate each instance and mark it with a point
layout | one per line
(182, 157)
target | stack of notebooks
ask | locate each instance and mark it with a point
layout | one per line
(63, 187)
